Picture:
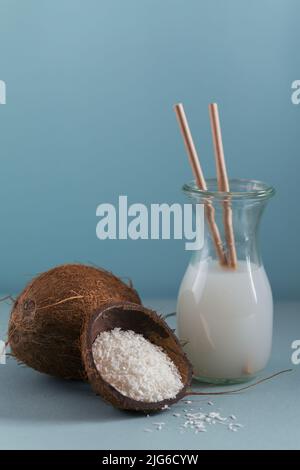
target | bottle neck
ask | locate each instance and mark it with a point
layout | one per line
(246, 218)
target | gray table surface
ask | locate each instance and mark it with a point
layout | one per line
(41, 412)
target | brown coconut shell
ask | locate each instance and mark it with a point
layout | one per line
(129, 316)
(48, 316)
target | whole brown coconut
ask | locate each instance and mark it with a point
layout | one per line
(47, 318)
(139, 319)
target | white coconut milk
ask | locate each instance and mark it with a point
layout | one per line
(226, 318)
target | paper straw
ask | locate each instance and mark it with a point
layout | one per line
(200, 180)
(223, 182)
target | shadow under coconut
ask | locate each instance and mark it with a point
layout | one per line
(28, 395)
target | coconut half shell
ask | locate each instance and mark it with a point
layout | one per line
(130, 316)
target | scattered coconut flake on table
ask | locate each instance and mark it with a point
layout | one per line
(199, 421)
(135, 367)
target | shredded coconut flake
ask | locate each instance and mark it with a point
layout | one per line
(199, 421)
(135, 367)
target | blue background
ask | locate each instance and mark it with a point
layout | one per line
(90, 89)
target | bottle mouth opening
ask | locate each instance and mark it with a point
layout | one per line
(239, 189)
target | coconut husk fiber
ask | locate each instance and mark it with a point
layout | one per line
(129, 316)
(48, 316)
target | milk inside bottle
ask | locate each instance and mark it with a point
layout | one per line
(225, 319)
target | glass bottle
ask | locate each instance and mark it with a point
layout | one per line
(225, 315)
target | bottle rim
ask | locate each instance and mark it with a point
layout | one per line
(239, 189)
